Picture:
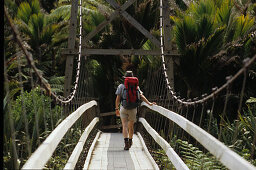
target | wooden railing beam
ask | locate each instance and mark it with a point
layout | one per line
(43, 153)
(172, 155)
(224, 154)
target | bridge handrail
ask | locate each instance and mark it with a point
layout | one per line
(224, 154)
(89, 154)
(43, 153)
(155, 166)
(172, 155)
(71, 163)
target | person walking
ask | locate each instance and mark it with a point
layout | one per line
(128, 96)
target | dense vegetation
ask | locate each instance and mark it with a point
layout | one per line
(212, 36)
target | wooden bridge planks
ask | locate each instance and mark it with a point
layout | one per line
(109, 153)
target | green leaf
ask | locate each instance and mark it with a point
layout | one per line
(24, 12)
(251, 100)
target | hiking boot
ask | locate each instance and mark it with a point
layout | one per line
(130, 142)
(126, 145)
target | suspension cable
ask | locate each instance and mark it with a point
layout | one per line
(247, 63)
(30, 60)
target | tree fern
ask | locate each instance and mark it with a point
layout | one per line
(35, 6)
(223, 13)
(243, 23)
(213, 43)
(24, 12)
(62, 12)
(57, 84)
(203, 8)
(181, 4)
(205, 26)
(184, 32)
(195, 158)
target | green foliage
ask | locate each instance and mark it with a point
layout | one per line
(64, 149)
(44, 35)
(92, 20)
(243, 24)
(61, 12)
(36, 107)
(24, 12)
(34, 24)
(147, 63)
(181, 4)
(206, 28)
(57, 84)
(26, 103)
(195, 158)
(200, 32)
(223, 13)
(202, 8)
(192, 156)
(239, 135)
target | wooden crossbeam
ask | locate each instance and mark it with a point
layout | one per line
(111, 126)
(107, 21)
(136, 24)
(88, 52)
(108, 114)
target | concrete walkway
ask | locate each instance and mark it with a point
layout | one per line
(109, 154)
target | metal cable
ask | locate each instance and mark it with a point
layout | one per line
(32, 64)
(247, 63)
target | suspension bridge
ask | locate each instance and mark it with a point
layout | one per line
(158, 128)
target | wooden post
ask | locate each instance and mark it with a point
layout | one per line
(167, 41)
(71, 46)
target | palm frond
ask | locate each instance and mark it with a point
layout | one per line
(35, 6)
(203, 8)
(57, 84)
(223, 13)
(181, 5)
(179, 36)
(36, 24)
(24, 12)
(47, 33)
(60, 12)
(205, 26)
(213, 43)
(92, 20)
(61, 36)
(185, 32)
(243, 24)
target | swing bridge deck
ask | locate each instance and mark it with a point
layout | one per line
(106, 150)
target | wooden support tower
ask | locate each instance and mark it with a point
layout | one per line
(71, 46)
(119, 11)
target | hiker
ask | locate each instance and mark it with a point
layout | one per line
(129, 94)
